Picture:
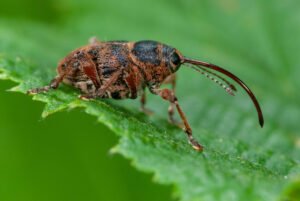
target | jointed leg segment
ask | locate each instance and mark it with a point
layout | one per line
(168, 95)
(172, 80)
(143, 103)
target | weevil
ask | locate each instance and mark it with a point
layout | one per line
(122, 69)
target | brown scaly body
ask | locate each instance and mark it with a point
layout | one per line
(120, 69)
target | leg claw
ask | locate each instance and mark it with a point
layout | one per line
(196, 145)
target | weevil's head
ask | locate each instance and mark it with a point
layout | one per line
(172, 57)
(157, 56)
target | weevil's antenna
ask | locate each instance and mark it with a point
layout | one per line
(231, 86)
(204, 72)
(201, 64)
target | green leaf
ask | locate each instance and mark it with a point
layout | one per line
(241, 161)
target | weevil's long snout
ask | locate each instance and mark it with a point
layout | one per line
(201, 64)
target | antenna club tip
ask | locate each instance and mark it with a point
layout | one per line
(261, 123)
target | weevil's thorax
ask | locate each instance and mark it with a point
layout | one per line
(154, 59)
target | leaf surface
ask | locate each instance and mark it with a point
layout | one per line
(241, 161)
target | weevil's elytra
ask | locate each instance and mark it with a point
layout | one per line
(121, 69)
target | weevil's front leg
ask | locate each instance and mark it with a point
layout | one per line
(143, 103)
(168, 95)
(53, 85)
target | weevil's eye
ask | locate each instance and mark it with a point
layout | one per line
(175, 59)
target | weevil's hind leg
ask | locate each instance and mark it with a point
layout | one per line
(143, 103)
(94, 40)
(101, 91)
(53, 85)
(168, 95)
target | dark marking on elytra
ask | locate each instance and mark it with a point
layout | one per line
(107, 71)
(79, 55)
(118, 51)
(93, 52)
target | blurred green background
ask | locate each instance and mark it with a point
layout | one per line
(66, 156)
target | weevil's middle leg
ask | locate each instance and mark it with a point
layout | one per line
(168, 95)
(53, 85)
(172, 80)
(143, 103)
